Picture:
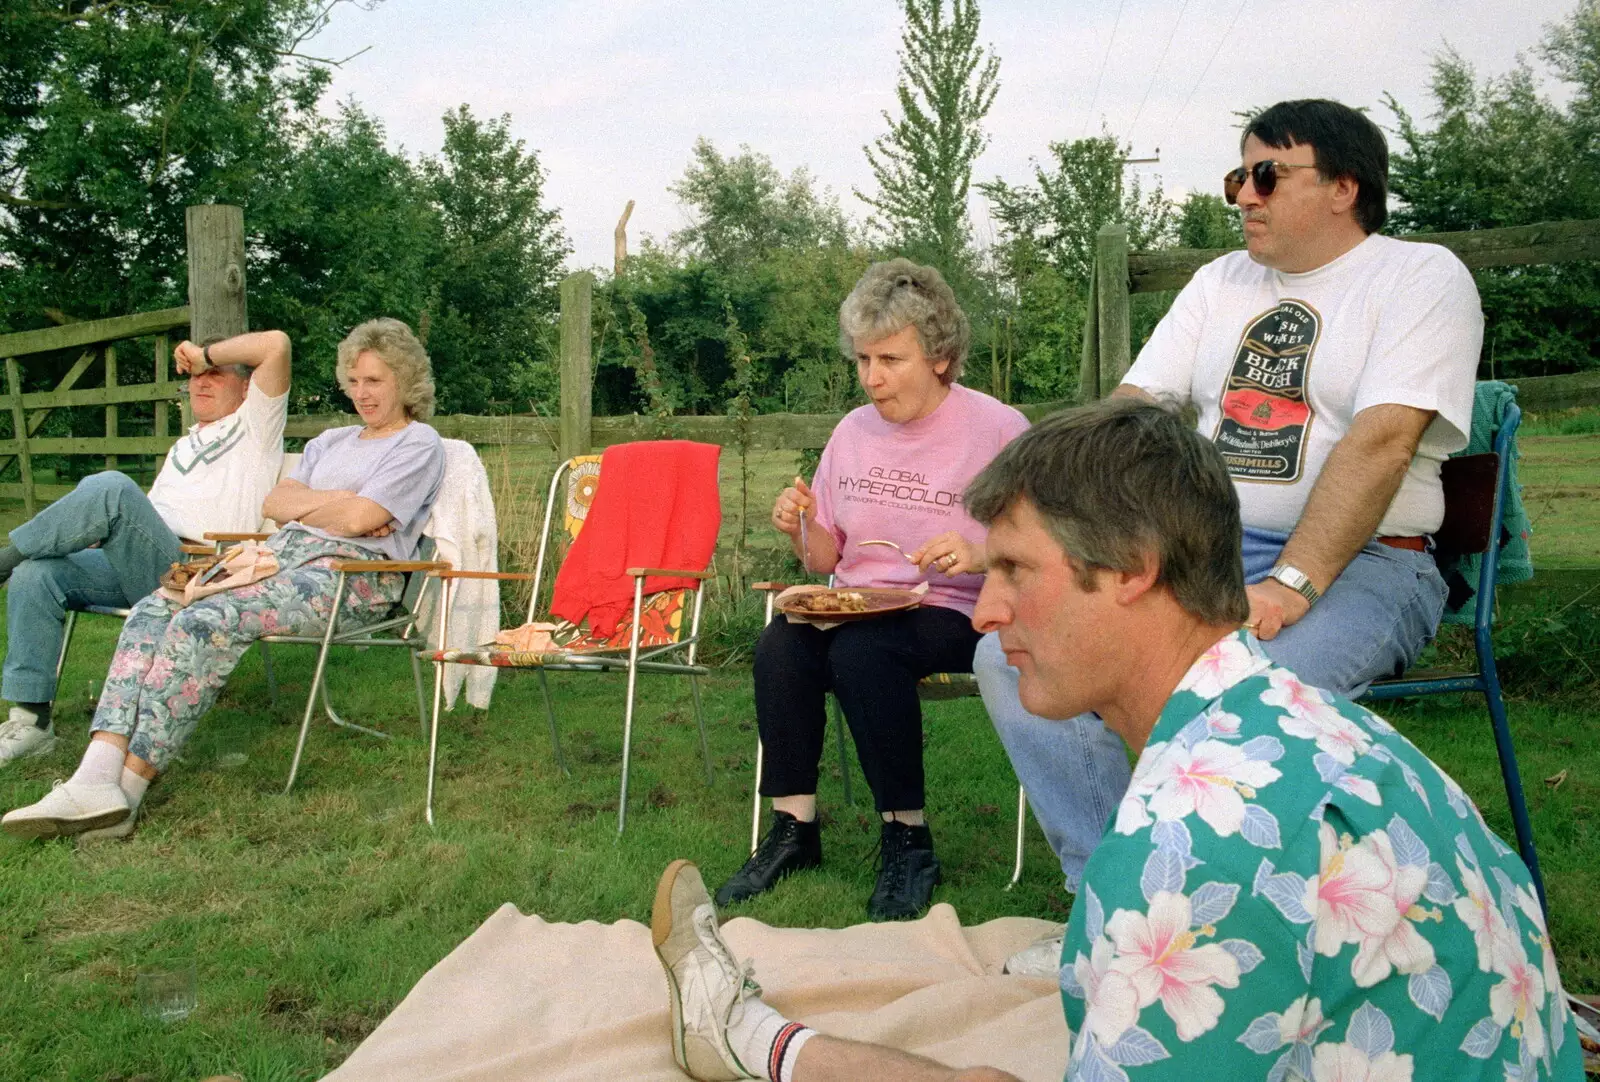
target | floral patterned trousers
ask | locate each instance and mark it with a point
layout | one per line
(172, 661)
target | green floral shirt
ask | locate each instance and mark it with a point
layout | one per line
(1291, 890)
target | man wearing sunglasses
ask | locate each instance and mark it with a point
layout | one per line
(1333, 368)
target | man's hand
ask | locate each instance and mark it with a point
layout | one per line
(1273, 607)
(189, 359)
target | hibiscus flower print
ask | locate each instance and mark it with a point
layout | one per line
(1228, 661)
(1482, 917)
(1311, 717)
(1160, 959)
(1345, 1063)
(1212, 780)
(1366, 896)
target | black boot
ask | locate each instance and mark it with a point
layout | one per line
(790, 846)
(907, 873)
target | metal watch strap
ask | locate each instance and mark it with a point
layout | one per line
(1296, 580)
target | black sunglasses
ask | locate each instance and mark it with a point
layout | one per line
(1264, 175)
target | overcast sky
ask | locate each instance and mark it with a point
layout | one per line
(613, 93)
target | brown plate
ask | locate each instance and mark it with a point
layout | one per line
(876, 601)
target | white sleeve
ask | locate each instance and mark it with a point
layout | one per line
(1425, 348)
(1165, 368)
(264, 417)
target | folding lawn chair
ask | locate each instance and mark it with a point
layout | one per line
(651, 641)
(1474, 506)
(937, 687)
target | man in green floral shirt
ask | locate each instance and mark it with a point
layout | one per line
(1290, 889)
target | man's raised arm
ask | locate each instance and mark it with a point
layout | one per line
(266, 353)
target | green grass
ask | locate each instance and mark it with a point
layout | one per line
(309, 916)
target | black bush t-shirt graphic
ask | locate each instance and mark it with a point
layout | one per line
(1266, 409)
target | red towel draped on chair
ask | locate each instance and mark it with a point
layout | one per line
(656, 506)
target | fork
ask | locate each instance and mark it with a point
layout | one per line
(891, 544)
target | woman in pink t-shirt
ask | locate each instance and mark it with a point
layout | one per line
(893, 470)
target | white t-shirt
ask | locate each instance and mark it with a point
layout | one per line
(1280, 364)
(218, 475)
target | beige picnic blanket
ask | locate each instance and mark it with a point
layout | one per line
(522, 998)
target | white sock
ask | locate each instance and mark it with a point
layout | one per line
(766, 1042)
(133, 786)
(101, 764)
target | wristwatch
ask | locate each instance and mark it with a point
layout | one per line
(1296, 580)
(205, 358)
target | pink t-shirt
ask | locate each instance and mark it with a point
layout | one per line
(903, 483)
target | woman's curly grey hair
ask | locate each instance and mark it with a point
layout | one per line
(898, 294)
(398, 348)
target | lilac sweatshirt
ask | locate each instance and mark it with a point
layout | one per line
(903, 483)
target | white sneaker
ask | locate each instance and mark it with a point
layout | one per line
(706, 988)
(70, 808)
(117, 833)
(1041, 959)
(20, 738)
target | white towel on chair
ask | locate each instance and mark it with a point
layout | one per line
(462, 525)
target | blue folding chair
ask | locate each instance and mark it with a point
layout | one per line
(1474, 501)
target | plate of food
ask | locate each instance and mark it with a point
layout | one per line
(845, 603)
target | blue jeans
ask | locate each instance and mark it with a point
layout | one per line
(1372, 623)
(63, 572)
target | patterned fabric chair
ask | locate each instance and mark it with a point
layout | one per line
(661, 636)
(938, 687)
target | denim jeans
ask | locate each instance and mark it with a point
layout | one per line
(63, 572)
(1372, 623)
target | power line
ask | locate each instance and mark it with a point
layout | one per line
(1206, 70)
(1172, 34)
(1095, 98)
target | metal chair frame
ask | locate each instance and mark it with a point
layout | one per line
(637, 660)
(772, 589)
(1486, 680)
(401, 630)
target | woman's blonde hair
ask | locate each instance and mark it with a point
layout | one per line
(398, 348)
(897, 294)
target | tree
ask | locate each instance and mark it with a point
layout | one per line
(114, 117)
(1206, 221)
(744, 211)
(499, 265)
(1085, 187)
(1499, 153)
(345, 233)
(923, 164)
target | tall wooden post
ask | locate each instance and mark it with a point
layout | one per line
(577, 366)
(1111, 306)
(215, 234)
(111, 410)
(19, 420)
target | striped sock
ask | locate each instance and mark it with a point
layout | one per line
(766, 1042)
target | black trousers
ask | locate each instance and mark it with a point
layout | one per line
(873, 667)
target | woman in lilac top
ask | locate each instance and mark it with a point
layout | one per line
(893, 470)
(361, 492)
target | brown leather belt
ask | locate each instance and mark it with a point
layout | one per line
(1415, 544)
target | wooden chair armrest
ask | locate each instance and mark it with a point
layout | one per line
(669, 572)
(770, 587)
(227, 538)
(519, 576)
(191, 548)
(358, 566)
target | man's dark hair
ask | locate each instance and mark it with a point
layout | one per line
(1119, 480)
(1346, 142)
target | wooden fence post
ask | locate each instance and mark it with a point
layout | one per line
(215, 234)
(577, 366)
(19, 421)
(1111, 307)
